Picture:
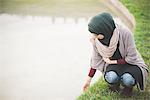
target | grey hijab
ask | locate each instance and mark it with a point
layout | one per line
(102, 24)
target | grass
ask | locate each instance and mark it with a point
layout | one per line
(99, 90)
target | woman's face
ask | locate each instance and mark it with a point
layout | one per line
(100, 36)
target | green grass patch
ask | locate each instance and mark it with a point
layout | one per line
(100, 91)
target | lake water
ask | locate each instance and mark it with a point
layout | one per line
(43, 58)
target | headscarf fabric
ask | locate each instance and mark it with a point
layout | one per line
(102, 23)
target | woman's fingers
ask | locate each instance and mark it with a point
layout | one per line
(86, 86)
(107, 60)
(100, 36)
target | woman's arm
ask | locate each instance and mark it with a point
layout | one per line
(95, 59)
(89, 78)
(118, 61)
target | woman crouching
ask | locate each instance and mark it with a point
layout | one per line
(115, 55)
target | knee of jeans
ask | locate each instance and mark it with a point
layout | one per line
(127, 80)
(111, 77)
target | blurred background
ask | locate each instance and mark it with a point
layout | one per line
(45, 49)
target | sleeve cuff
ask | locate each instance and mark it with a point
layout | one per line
(121, 61)
(92, 72)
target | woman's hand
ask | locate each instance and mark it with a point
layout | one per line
(100, 36)
(107, 60)
(87, 84)
(94, 36)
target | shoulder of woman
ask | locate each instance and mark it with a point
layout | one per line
(124, 30)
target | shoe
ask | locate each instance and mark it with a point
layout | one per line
(114, 88)
(127, 91)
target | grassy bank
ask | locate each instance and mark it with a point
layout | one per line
(100, 91)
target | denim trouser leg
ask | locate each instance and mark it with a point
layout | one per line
(128, 80)
(111, 77)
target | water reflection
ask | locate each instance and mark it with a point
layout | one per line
(43, 58)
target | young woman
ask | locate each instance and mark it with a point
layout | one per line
(115, 55)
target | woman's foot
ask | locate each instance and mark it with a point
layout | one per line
(114, 88)
(127, 91)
